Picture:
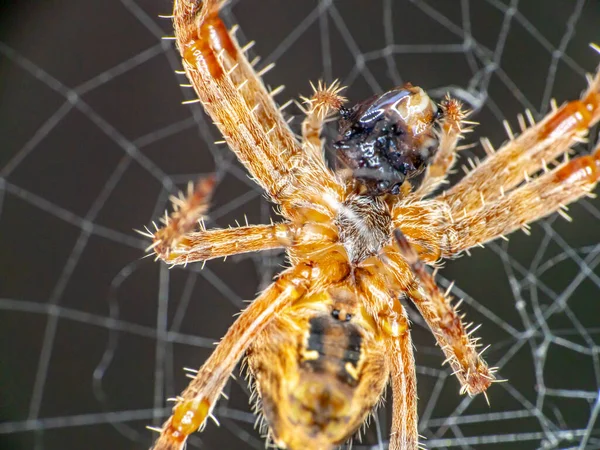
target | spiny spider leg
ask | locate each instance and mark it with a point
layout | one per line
(528, 153)
(198, 399)
(405, 423)
(176, 242)
(235, 97)
(219, 243)
(188, 210)
(438, 233)
(445, 323)
(405, 432)
(540, 197)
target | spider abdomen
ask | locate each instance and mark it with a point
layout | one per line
(388, 138)
(319, 370)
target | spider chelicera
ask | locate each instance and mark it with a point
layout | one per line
(325, 338)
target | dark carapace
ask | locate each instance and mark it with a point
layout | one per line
(388, 138)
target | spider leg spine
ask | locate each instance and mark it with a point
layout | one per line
(278, 90)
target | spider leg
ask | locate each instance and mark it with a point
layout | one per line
(424, 223)
(188, 211)
(444, 321)
(220, 243)
(394, 323)
(234, 96)
(450, 133)
(176, 242)
(538, 198)
(405, 430)
(198, 399)
(528, 153)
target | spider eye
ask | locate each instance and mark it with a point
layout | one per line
(341, 316)
(387, 139)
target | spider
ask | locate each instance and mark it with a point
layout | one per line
(324, 339)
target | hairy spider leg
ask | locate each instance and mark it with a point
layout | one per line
(188, 210)
(446, 324)
(443, 234)
(220, 243)
(405, 421)
(235, 97)
(538, 198)
(196, 402)
(526, 154)
(176, 242)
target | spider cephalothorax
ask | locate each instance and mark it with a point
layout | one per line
(388, 138)
(364, 224)
(324, 339)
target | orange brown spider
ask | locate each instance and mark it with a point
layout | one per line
(324, 339)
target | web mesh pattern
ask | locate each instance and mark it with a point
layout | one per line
(94, 140)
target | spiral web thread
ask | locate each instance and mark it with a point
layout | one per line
(94, 338)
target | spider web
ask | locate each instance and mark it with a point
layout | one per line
(94, 140)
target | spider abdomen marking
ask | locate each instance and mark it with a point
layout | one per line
(389, 138)
(333, 347)
(364, 226)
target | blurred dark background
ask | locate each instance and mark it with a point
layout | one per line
(93, 139)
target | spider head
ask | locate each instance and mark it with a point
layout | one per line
(388, 138)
